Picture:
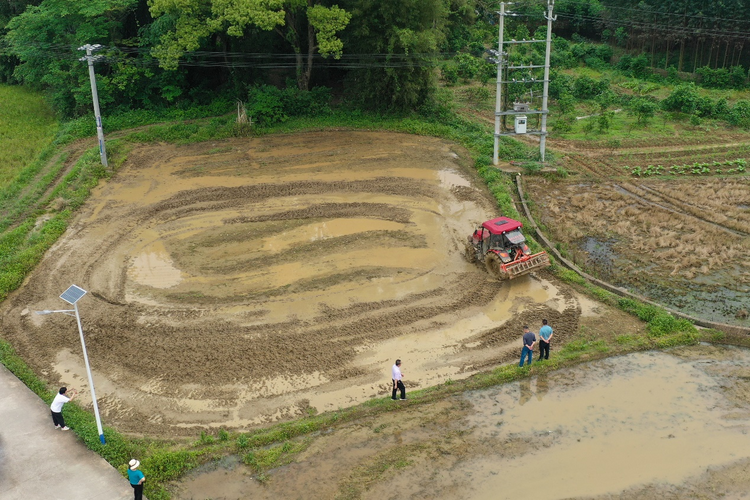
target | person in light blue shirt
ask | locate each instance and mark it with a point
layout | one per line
(136, 478)
(545, 337)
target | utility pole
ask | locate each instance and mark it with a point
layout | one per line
(545, 92)
(95, 95)
(520, 110)
(498, 97)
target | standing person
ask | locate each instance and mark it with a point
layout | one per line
(529, 341)
(57, 405)
(396, 375)
(545, 336)
(136, 478)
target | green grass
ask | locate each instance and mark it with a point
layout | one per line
(27, 125)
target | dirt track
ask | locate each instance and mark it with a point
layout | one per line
(246, 281)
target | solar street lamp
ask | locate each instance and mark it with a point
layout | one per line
(72, 295)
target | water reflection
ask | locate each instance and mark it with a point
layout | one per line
(525, 391)
(542, 386)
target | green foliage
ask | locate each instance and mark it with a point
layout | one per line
(643, 108)
(467, 66)
(206, 438)
(660, 322)
(738, 166)
(683, 99)
(585, 87)
(570, 276)
(639, 67)
(163, 466)
(60, 23)
(740, 114)
(408, 33)
(718, 78)
(449, 72)
(242, 442)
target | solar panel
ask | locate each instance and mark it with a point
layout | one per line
(73, 294)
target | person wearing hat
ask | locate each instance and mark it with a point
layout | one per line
(136, 478)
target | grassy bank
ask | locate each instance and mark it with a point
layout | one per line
(27, 125)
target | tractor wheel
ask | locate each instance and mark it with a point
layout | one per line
(470, 253)
(492, 263)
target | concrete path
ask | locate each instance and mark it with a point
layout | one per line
(38, 461)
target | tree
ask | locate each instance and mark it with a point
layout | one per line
(642, 108)
(407, 33)
(307, 25)
(45, 38)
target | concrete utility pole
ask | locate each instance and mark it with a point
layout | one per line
(545, 93)
(95, 95)
(499, 94)
(520, 110)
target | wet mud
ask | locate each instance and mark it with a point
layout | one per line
(646, 425)
(682, 243)
(242, 282)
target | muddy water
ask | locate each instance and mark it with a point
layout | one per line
(646, 426)
(607, 427)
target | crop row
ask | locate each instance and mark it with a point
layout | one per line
(737, 166)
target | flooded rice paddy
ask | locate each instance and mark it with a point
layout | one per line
(646, 425)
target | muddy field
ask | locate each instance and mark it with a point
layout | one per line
(683, 241)
(648, 426)
(247, 281)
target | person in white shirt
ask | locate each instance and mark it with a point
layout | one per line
(396, 375)
(57, 405)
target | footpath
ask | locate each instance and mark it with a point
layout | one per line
(38, 461)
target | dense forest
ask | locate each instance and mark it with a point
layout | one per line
(387, 55)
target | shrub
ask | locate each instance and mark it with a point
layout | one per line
(449, 72)
(740, 114)
(639, 67)
(624, 63)
(737, 77)
(264, 105)
(585, 87)
(684, 99)
(718, 78)
(604, 52)
(467, 66)
(560, 85)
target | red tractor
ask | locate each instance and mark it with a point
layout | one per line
(501, 246)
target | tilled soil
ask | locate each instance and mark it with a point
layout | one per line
(245, 281)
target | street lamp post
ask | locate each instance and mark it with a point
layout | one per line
(72, 295)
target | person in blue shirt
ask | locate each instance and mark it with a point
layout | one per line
(545, 337)
(136, 478)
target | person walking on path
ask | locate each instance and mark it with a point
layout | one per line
(529, 340)
(136, 478)
(396, 375)
(57, 405)
(545, 336)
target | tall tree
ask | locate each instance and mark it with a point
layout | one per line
(397, 42)
(45, 39)
(309, 26)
